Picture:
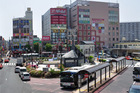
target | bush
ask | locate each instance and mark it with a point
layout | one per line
(47, 75)
(35, 73)
(102, 60)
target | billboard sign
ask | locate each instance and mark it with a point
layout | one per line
(45, 38)
(57, 11)
(98, 25)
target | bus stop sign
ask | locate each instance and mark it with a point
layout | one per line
(86, 75)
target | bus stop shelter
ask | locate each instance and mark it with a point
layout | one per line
(92, 71)
(119, 62)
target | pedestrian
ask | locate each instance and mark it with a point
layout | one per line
(132, 63)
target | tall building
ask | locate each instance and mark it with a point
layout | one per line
(129, 31)
(22, 32)
(95, 20)
(54, 24)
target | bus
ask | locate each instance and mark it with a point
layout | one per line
(69, 78)
(136, 72)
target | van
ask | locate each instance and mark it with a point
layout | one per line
(22, 69)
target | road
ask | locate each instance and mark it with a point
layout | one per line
(11, 83)
(121, 83)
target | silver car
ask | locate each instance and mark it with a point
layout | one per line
(22, 69)
(17, 69)
(25, 76)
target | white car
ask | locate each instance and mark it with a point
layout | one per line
(17, 69)
(25, 76)
(22, 69)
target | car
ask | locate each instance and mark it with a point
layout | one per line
(1, 66)
(1, 60)
(6, 60)
(17, 69)
(114, 56)
(22, 69)
(136, 58)
(25, 76)
(134, 89)
(128, 58)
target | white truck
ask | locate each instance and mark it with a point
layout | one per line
(19, 61)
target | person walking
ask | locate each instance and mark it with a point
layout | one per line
(132, 63)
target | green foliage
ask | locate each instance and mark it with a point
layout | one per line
(78, 47)
(61, 67)
(90, 58)
(35, 73)
(102, 60)
(48, 47)
(28, 48)
(36, 47)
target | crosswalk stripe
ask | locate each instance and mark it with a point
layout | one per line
(6, 64)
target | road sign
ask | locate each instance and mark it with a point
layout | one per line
(86, 75)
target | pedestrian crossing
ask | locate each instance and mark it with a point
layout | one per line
(129, 65)
(8, 64)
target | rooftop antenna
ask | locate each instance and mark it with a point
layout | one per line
(58, 2)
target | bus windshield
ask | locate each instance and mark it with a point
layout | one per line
(67, 77)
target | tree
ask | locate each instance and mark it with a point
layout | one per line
(48, 47)
(78, 47)
(90, 58)
(28, 47)
(36, 47)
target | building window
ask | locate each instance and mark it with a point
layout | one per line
(113, 33)
(109, 33)
(80, 27)
(88, 33)
(113, 39)
(117, 33)
(109, 28)
(117, 39)
(113, 28)
(88, 27)
(84, 33)
(80, 33)
(117, 28)
(109, 39)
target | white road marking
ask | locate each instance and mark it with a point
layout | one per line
(134, 83)
(37, 84)
(6, 79)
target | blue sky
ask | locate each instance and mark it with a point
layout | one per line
(9, 9)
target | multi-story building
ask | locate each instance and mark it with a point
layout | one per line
(98, 20)
(129, 31)
(22, 32)
(54, 24)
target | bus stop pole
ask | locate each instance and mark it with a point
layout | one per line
(88, 84)
(95, 79)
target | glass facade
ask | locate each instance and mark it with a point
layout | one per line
(113, 17)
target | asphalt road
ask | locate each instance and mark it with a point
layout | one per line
(10, 81)
(121, 83)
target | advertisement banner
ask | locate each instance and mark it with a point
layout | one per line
(52, 17)
(45, 38)
(17, 34)
(98, 25)
(62, 17)
(56, 11)
(24, 34)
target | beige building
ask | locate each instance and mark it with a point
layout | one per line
(96, 20)
(126, 48)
